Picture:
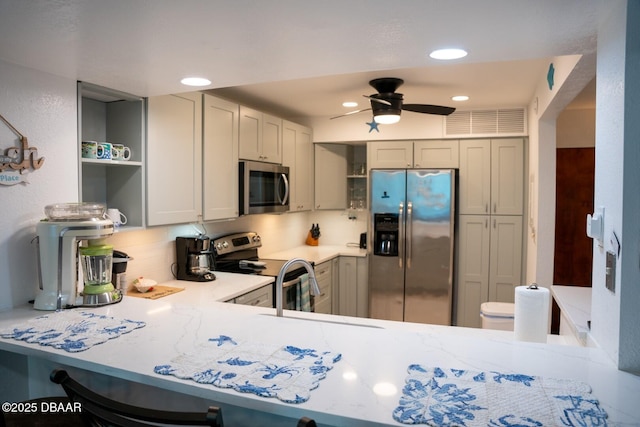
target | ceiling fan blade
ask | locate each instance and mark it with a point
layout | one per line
(349, 113)
(429, 109)
(381, 101)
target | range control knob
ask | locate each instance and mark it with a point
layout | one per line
(225, 244)
(256, 238)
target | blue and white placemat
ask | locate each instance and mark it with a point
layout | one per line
(286, 372)
(70, 330)
(452, 397)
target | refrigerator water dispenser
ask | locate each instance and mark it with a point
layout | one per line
(385, 236)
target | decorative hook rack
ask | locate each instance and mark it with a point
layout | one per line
(18, 159)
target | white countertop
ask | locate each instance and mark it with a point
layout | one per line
(317, 254)
(226, 287)
(175, 324)
(575, 305)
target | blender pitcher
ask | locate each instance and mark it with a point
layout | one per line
(97, 261)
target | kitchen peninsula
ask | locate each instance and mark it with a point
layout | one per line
(362, 389)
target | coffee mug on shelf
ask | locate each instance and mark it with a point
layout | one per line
(117, 217)
(104, 150)
(120, 152)
(89, 149)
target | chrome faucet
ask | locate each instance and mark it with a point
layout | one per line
(315, 290)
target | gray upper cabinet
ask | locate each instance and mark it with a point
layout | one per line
(174, 153)
(491, 176)
(426, 154)
(260, 136)
(192, 144)
(220, 159)
(297, 154)
(107, 115)
(330, 176)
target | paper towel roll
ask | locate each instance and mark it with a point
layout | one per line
(531, 314)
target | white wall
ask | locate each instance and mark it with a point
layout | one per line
(42, 107)
(575, 128)
(543, 111)
(355, 128)
(615, 316)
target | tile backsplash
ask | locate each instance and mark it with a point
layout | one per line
(153, 249)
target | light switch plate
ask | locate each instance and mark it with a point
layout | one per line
(595, 225)
(610, 275)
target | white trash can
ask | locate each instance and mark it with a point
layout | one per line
(497, 315)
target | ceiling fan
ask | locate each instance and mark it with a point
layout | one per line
(387, 104)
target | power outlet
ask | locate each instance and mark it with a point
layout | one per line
(610, 272)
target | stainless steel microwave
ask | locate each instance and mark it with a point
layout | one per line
(264, 188)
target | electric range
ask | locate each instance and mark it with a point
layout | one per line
(238, 253)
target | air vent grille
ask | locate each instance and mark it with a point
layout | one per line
(487, 122)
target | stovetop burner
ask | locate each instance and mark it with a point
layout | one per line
(238, 253)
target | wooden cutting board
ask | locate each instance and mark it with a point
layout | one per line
(157, 292)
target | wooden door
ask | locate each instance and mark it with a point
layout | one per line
(573, 256)
(573, 253)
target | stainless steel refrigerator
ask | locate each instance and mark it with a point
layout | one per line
(411, 245)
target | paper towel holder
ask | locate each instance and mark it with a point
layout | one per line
(533, 286)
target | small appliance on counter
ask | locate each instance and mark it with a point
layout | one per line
(363, 240)
(60, 257)
(194, 259)
(118, 274)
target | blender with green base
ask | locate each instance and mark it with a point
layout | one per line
(96, 261)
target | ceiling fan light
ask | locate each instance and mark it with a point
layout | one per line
(387, 119)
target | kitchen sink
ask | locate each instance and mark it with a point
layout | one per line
(335, 322)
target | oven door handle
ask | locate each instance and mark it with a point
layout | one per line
(290, 283)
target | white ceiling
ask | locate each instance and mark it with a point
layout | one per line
(301, 58)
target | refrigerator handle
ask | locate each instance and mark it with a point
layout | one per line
(401, 234)
(409, 232)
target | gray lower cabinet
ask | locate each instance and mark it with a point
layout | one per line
(261, 297)
(353, 294)
(489, 268)
(324, 276)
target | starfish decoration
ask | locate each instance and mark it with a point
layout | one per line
(373, 125)
(550, 74)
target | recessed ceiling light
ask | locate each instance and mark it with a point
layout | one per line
(349, 104)
(460, 98)
(195, 81)
(448, 54)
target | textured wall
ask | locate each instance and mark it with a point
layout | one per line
(43, 108)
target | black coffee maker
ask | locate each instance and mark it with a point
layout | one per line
(194, 259)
